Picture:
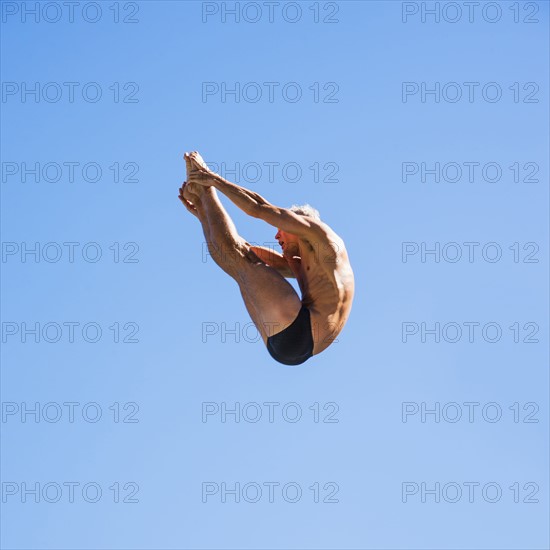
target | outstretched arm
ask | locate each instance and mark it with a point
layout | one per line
(256, 206)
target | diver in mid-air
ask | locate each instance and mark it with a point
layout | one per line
(292, 329)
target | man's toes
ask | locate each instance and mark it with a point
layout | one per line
(188, 163)
(195, 157)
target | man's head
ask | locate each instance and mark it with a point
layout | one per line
(288, 241)
(306, 210)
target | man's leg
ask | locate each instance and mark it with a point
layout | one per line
(269, 298)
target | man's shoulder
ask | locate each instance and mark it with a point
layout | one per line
(325, 235)
(328, 247)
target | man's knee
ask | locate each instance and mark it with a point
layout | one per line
(225, 251)
(234, 257)
(241, 252)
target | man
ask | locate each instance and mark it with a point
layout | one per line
(293, 330)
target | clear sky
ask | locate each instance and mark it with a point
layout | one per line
(421, 137)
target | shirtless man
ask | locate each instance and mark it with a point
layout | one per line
(293, 330)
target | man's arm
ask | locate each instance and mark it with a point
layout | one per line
(256, 206)
(273, 259)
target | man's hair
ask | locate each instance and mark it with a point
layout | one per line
(306, 210)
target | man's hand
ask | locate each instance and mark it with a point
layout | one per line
(201, 177)
(184, 198)
(198, 172)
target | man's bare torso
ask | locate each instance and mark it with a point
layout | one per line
(325, 277)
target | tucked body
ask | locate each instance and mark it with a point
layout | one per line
(292, 328)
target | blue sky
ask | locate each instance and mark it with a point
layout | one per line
(140, 335)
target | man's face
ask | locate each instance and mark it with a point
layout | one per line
(287, 241)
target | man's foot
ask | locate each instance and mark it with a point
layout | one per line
(195, 165)
(192, 191)
(196, 161)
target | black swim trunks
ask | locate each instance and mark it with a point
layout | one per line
(294, 344)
